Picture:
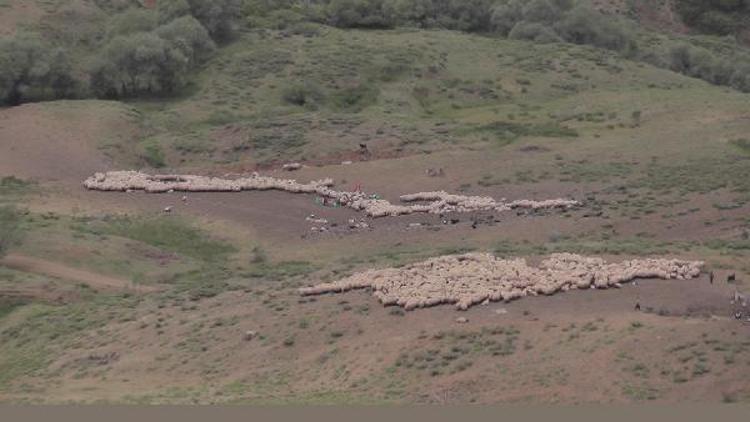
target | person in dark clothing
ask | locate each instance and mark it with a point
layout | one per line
(711, 277)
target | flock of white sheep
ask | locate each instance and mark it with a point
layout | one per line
(470, 279)
(429, 202)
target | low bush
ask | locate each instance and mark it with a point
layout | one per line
(10, 233)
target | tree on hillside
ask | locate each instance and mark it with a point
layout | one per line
(541, 11)
(218, 16)
(415, 12)
(715, 16)
(139, 64)
(151, 63)
(132, 21)
(190, 37)
(506, 15)
(170, 10)
(583, 25)
(31, 70)
(356, 13)
(464, 15)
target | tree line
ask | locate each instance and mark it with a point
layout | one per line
(541, 21)
(721, 17)
(143, 53)
(152, 52)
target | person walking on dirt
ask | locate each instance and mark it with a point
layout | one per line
(711, 277)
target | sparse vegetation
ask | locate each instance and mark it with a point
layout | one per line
(10, 231)
(171, 234)
(507, 98)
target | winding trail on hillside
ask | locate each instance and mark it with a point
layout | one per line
(62, 271)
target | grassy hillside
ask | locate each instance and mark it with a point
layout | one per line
(660, 160)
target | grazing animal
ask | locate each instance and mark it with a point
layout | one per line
(637, 306)
(731, 278)
(168, 209)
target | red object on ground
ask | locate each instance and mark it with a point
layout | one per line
(150, 4)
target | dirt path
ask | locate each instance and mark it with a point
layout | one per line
(58, 270)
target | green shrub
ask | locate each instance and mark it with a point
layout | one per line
(171, 234)
(10, 185)
(219, 17)
(188, 36)
(743, 144)
(10, 233)
(533, 31)
(152, 154)
(132, 21)
(715, 16)
(583, 25)
(307, 94)
(356, 14)
(355, 97)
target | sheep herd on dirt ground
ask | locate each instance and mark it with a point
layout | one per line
(429, 202)
(462, 280)
(475, 278)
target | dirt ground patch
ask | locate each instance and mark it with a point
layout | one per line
(61, 141)
(58, 270)
(16, 13)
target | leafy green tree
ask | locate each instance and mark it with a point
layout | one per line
(190, 37)
(464, 15)
(413, 12)
(584, 25)
(219, 17)
(715, 16)
(356, 13)
(506, 15)
(139, 64)
(169, 10)
(132, 21)
(541, 11)
(31, 70)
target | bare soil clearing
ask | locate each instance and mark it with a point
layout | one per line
(60, 141)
